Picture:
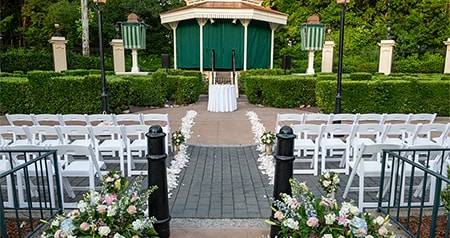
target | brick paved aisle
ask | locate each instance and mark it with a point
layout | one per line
(221, 182)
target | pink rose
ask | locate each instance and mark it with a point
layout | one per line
(278, 215)
(101, 208)
(58, 234)
(109, 198)
(131, 210)
(135, 236)
(382, 231)
(84, 226)
(312, 222)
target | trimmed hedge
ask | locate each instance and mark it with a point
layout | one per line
(281, 91)
(188, 88)
(14, 95)
(146, 90)
(361, 76)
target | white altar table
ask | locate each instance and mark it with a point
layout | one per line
(222, 98)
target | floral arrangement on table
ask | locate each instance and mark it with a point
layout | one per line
(268, 138)
(177, 138)
(329, 182)
(118, 211)
(302, 215)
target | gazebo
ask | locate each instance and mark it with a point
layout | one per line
(223, 35)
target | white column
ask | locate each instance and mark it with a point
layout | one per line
(310, 69)
(245, 23)
(134, 57)
(173, 26)
(447, 57)
(59, 53)
(118, 55)
(327, 56)
(201, 22)
(273, 27)
(386, 53)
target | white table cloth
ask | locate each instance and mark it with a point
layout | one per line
(222, 98)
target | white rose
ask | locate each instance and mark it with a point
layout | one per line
(379, 220)
(354, 210)
(326, 175)
(55, 222)
(330, 218)
(326, 183)
(104, 230)
(327, 236)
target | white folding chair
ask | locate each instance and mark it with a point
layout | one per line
(424, 118)
(46, 136)
(365, 167)
(47, 119)
(336, 137)
(401, 134)
(162, 120)
(73, 119)
(395, 118)
(100, 119)
(367, 134)
(344, 118)
(80, 161)
(316, 118)
(307, 139)
(77, 135)
(136, 142)
(371, 118)
(444, 138)
(425, 133)
(16, 135)
(110, 139)
(287, 119)
(5, 165)
(21, 119)
(127, 119)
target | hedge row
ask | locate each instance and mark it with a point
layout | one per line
(78, 92)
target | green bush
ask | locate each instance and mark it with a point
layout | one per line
(188, 89)
(14, 95)
(361, 76)
(332, 77)
(146, 90)
(24, 60)
(415, 63)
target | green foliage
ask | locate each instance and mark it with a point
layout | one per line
(146, 90)
(415, 63)
(189, 89)
(361, 76)
(14, 95)
(331, 77)
(20, 59)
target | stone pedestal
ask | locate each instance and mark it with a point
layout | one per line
(327, 56)
(59, 53)
(447, 57)
(386, 53)
(118, 55)
(134, 57)
(310, 69)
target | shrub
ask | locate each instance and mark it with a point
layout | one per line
(361, 76)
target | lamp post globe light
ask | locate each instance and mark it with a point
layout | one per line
(102, 56)
(337, 108)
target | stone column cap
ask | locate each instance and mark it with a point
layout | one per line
(330, 43)
(446, 42)
(116, 42)
(58, 39)
(387, 43)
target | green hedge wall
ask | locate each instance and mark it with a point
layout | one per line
(280, 91)
(188, 90)
(386, 96)
(146, 90)
(14, 95)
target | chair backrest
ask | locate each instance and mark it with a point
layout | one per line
(307, 131)
(316, 118)
(429, 130)
(370, 118)
(127, 119)
(422, 118)
(373, 131)
(42, 133)
(345, 118)
(337, 130)
(21, 119)
(16, 133)
(395, 118)
(138, 131)
(374, 150)
(47, 119)
(288, 119)
(75, 151)
(73, 132)
(154, 118)
(405, 132)
(100, 119)
(113, 132)
(74, 119)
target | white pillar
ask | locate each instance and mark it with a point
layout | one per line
(173, 26)
(59, 53)
(134, 56)
(327, 56)
(201, 22)
(118, 55)
(310, 69)
(273, 27)
(245, 23)
(447, 57)
(386, 53)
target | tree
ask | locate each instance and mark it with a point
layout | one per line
(85, 28)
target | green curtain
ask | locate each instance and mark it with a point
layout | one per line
(258, 46)
(223, 37)
(188, 45)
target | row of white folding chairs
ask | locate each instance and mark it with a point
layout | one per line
(323, 140)
(123, 140)
(88, 119)
(318, 118)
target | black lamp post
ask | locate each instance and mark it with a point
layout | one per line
(337, 108)
(117, 27)
(328, 32)
(56, 25)
(388, 28)
(102, 56)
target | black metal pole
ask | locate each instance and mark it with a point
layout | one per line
(337, 108)
(157, 175)
(284, 162)
(102, 61)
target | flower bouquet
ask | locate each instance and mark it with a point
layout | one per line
(177, 140)
(329, 182)
(268, 139)
(116, 212)
(302, 215)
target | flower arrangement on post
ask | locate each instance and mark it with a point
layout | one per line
(302, 215)
(268, 139)
(329, 182)
(177, 140)
(118, 211)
